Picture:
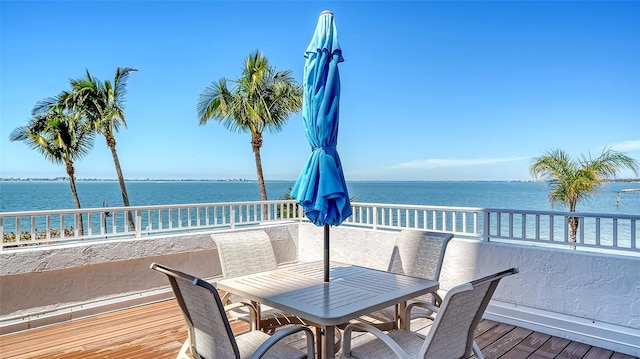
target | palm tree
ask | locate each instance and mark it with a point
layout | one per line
(60, 135)
(262, 98)
(573, 180)
(102, 103)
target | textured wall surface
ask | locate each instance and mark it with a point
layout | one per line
(43, 279)
(600, 287)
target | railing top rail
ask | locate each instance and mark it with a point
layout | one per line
(417, 206)
(602, 230)
(566, 213)
(135, 208)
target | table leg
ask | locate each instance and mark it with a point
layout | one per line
(327, 338)
(402, 306)
(255, 323)
(318, 341)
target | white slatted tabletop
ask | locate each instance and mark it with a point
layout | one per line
(351, 292)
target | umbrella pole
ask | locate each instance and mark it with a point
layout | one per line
(326, 253)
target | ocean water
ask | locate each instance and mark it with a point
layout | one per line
(48, 195)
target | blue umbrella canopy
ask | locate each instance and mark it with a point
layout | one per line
(321, 189)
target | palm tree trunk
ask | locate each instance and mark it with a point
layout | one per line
(74, 192)
(573, 230)
(263, 189)
(111, 142)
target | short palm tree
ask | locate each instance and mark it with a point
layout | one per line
(573, 180)
(61, 136)
(102, 103)
(262, 99)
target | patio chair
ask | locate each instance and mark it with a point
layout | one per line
(449, 337)
(209, 331)
(418, 254)
(248, 253)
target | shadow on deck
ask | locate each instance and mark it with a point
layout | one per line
(158, 331)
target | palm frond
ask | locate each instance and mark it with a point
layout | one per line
(571, 181)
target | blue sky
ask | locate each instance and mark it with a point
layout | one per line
(446, 90)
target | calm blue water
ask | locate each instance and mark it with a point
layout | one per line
(45, 195)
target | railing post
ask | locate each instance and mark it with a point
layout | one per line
(268, 212)
(375, 218)
(138, 223)
(232, 216)
(2, 232)
(486, 224)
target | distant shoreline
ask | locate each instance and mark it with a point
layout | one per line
(65, 179)
(235, 180)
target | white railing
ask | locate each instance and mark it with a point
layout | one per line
(462, 221)
(63, 226)
(595, 230)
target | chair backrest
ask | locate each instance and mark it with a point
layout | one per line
(210, 333)
(419, 253)
(451, 334)
(244, 253)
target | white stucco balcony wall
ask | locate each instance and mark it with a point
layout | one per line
(573, 294)
(584, 296)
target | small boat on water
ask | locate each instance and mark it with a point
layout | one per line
(630, 190)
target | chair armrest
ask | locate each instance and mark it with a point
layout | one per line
(226, 298)
(252, 310)
(426, 305)
(438, 298)
(282, 333)
(362, 327)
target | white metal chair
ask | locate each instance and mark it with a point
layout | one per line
(449, 337)
(416, 253)
(248, 253)
(209, 331)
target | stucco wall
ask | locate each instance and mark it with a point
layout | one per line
(46, 284)
(600, 287)
(36, 280)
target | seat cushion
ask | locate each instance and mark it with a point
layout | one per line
(410, 342)
(249, 342)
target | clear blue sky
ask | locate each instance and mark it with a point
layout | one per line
(447, 90)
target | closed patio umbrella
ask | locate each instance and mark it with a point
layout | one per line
(321, 189)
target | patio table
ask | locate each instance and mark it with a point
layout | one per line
(352, 291)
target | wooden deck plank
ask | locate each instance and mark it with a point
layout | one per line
(622, 356)
(484, 326)
(551, 348)
(598, 353)
(505, 343)
(574, 350)
(106, 326)
(527, 346)
(157, 330)
(493, 334)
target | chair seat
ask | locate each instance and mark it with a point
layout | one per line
(409, 341)
(449, 337)
(249, 342)
(387, 315)
(270, 318)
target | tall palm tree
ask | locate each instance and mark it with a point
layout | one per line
(262, 98)
(102, 103)
(572, 180)
(60, 135)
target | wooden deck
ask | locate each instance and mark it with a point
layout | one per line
(157, 331)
